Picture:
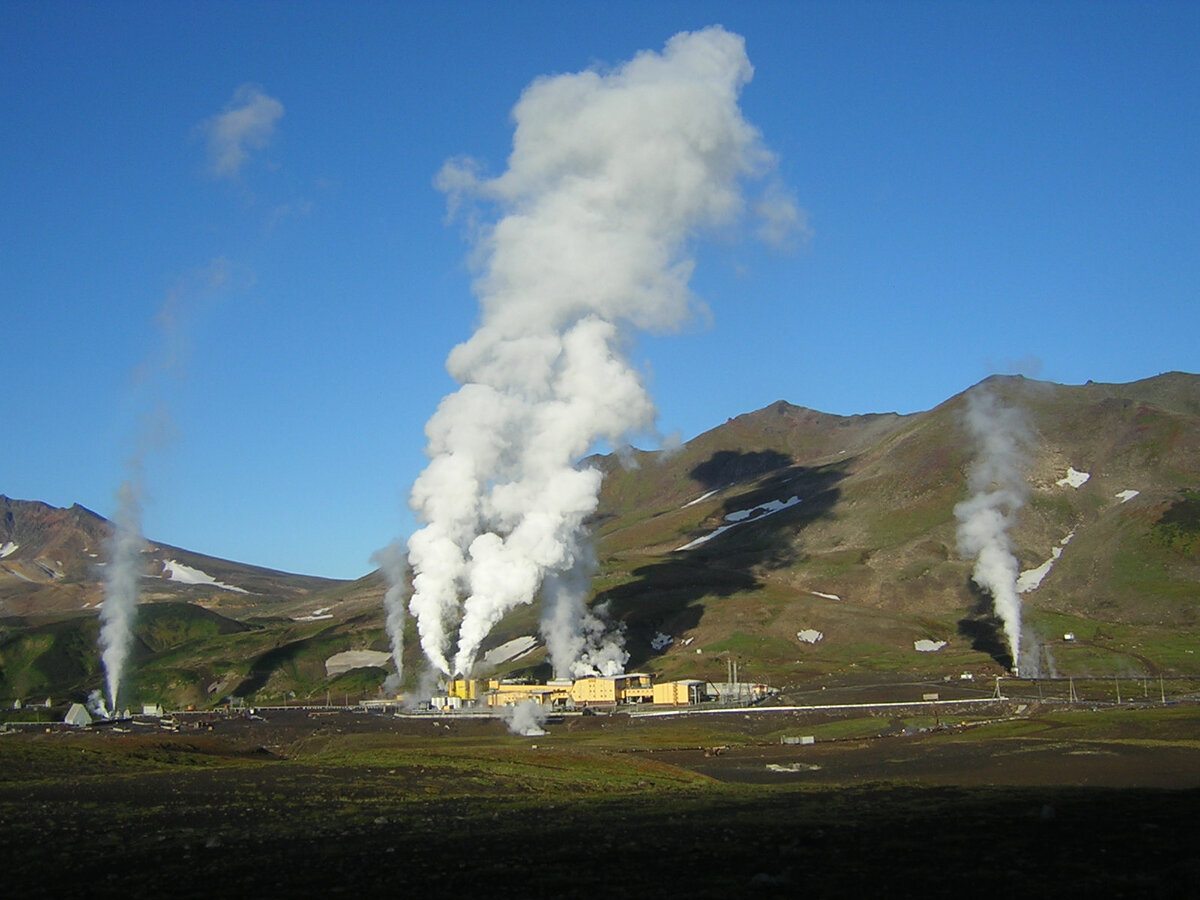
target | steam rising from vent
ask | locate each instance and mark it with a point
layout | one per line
(526, 719)
(579, 640)
(395, 569)
(124, 547)
(96, 706)
(610, 175)
(998, 491)
(121, 576)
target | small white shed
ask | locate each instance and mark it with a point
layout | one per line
(77, 715)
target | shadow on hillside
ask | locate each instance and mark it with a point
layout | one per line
(265, 665)
(665, 596)
(984, 628)
(729, 466)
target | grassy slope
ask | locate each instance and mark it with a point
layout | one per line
(877, 529)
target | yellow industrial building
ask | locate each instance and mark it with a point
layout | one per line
(679, 693)
(594, 690)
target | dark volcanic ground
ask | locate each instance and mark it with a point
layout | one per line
(242, 811)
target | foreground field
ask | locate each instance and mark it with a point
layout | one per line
(1028, 802)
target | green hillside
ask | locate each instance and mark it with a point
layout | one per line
(779, 523)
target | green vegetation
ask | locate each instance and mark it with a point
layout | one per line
(1179, 527)
(47, 656)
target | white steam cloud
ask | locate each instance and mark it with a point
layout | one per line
(580, 641)
(124, 566)
(121, 577)
(996, 479)
(610, 175)
(392, 561)
(526, 719)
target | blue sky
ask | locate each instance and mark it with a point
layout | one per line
(988, 186)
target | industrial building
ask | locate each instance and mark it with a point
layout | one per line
(593, 691)
(679, 693)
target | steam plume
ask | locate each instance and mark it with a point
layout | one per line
(579, 640)
(610, 175)
(526, 719)
(124, 547)
(392, 561)
(96, 705)
(998, 491)
(121, 576)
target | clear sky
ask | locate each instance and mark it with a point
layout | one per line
(222, 253)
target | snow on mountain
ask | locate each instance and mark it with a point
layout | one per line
(1031, 579)
(347, 660)
(177, 571)
(741, 516)
(510, 650)
(1073, 478)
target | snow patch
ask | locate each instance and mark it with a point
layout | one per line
(355, 659)
(1031, 579)
(1074, 478)
(8, 549)
(177, 571)
(766, 509)
(810, 635)
(703, 540)
(927, 646)
(315, 616)
(699, 499)
(1126, 496)
(742, 516)
(510, 650)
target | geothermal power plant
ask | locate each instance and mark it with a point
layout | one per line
(586, 244)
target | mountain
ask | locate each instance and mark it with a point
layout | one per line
(52, 561)
(788, 520)
(808, 547)
(205, 627)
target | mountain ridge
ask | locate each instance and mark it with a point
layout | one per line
(780, 522)
(881, 534)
